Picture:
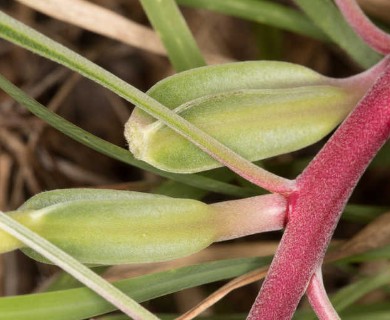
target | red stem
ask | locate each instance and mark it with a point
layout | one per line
(319, 299)
(323, 190)
(371, 34)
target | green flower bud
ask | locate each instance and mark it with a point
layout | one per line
(141, 228)
(258, 109)
(107, 227)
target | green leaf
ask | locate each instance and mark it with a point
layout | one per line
(81, 303)
(374, 311)
(266, 12)
(171, 27)
(351, 293)
(375, 254)
(327, 17)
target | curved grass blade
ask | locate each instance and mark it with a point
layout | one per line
(75, 268)
(110, 149)
(81, 303)
(375, 254)
(351, 293)
(170, 25)
(20, 34)
(325, 15)
(377, 311)
(266, 12)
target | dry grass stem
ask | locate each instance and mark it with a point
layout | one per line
(373, 236)
(5, 174)
(39, 87)
(54, 105)
(14, 145)
(100, 20)
(239, 282)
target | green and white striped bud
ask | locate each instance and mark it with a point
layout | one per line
(258, 109)
(107, 227)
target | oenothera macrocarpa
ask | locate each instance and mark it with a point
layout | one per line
(228, 115)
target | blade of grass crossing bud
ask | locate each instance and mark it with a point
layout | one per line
(76, 269)
(170, 25)
(110, 149)
(255, 123)
(371, 34)
(22, 35)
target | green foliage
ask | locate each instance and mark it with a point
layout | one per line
(262, 11)
(327, 17)
(256, 109)
(166, 18)
(81, 303)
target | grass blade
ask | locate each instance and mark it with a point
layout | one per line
(326, 16)
(81, 303)
(170, 25)
(75, 268)
(20, 34)
(110, 149)
(260, 11)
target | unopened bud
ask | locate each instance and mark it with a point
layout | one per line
(257, 109)
(107, 227)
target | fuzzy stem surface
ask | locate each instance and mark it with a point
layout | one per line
(239, 218)
(322, 192)
(319, 299)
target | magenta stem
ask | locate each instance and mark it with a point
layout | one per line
(322, 192)
(243, 217)
(319, 299)
(371, 34)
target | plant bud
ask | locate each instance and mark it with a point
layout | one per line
(106, 227)
(115, 227)
(257, 109)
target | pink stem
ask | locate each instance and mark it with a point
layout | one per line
(371, 34)
(248, 216)
(319, 299)
(323, 190)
